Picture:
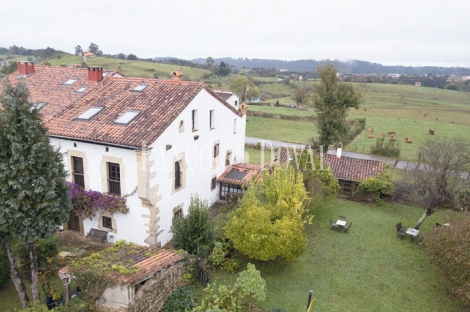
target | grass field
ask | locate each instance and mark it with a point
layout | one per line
(280, 129)
(368, 269)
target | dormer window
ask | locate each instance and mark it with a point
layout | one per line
(127, 117)
(69, 82)
(90, 113)
(38, 105)
(140, 88)
(81, 90)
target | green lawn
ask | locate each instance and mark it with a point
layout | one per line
(368, 269)
(280, 129)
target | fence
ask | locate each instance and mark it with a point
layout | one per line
(202, 275)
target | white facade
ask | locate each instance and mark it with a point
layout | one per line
(148, 174)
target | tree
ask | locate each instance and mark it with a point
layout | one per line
(448, 248)
(132, 57)
(245, 87)
(271, 217)
(78, 50)
(34, 199)
(251, 285)
(93, 48)
(194, 231)
(332, 100)
(224, 70)
(443, 180)
(121, 56)
(209, 62)
(302, 95)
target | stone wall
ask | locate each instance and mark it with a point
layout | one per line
(153, 294)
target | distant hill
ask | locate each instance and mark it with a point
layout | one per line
(349, 67)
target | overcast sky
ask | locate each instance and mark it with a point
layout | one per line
(399, 32)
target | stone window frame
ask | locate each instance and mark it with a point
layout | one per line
(104, 173)
(113, 222)
(181, 159)
(74, 153)
(216, 158)
(212, 119)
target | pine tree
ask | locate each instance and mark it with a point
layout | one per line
(34, 199)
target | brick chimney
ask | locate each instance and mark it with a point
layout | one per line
(95, 74)
(25, 68)
(176, 75)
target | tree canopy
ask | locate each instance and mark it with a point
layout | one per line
(442, 180)
(245, 87)
(34, 199)
(271, 217)
(332, 100)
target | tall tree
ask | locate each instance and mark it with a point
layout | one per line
(271, 217)
(302, 95)
(245, 87)
(78, 50)
(209, 61)
(224, 69)
(332, 100)
(443, 179)
(94, 48)
(34, 199)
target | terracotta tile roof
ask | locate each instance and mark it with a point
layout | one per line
(159, 104)
(46, 85)
(240, 174)
(345, 168)
(353, 169)
(149, 260)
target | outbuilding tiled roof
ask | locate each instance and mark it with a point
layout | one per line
(149, 260)
(240, 174)
(46, 85)
(345, 168)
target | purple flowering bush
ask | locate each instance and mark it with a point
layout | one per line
(86, 203)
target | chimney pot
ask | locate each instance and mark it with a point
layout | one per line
(176, 75)
(243, 108)
(95, 74)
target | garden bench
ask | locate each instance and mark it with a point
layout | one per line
(95, 233)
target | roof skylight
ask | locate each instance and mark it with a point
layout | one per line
(90, 113)
(140, 88)
(81, 90)
(38, 105)
(127, 117)
(69, 82)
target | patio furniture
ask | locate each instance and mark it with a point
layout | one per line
(438, 224)
(401, 231)
(347, 227)
(333, 226)
(99, 234)
(413, 234)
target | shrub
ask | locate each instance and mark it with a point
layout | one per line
(378, 186)
(182, 299)
(46, 248)
(448, 248)
(389, 149)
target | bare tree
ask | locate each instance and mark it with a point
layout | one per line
(443, 177)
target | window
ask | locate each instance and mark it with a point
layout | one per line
(114, 179)
(194, 119)
(216, 150)
(90, 113)
(107, 222)
(213, 183)
(69, 82)
(212, 120)
(178, 214)
(78, 171)
(127, 117)
(140, 88)
(235, 125)
(177, 175)
(81, 90)
(227, 189)
(228, 158)
(236, 103)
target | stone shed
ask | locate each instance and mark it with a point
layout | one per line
(158, 273)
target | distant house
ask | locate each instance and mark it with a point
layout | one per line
(253, 100)
(89, 54)
(418, 84)
(283, 70)
(229, 96)
(348, 170)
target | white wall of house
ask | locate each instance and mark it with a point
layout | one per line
(234, 100)
(198, 167)
(197, 156)
(95, 157)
